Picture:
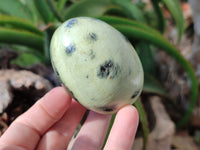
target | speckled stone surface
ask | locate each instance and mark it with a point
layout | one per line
(97, 64)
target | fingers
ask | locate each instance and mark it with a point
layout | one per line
(93, 132)
(33, 123)
(59, 135)
(42, 118)
(124, 129)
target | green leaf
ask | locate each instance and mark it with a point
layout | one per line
(131, 10)
(25, 49)
(143, 121)
(90, 8)
(26, 59)
(160, 17)
(113, 20)
(44, 10)
(61, 4)
(47, 38)
(53, 8)
(175, 10)
(15, 8)
(152, 85)
(18, 23)
(115, 10)
(146, 55)
(31, 6)
(21, 37)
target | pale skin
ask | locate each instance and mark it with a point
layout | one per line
(50, 123)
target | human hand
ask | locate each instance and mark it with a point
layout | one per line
(50, 124)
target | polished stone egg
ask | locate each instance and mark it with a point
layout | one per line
(96, 64)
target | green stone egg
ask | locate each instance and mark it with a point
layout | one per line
(97, 64)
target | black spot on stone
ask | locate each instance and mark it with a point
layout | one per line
(87, 76)
(92, 99)
(91, 54)
(135, 94)
(70, 49)
(93, 36)
(108, 108)
(71, 23)
(129, 72)
(108, 70)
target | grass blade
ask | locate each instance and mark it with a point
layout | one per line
(115, 10)
(53, 8)
(146, 55)
(15, 8)
(31, 6)
(61, 5)
(174, 7)
(19, 24)
(143, 121)
(113, 20)
(131, 10)
(151, 85)
(44, 10)
(160, 17)
(26, 59)
(14, 36)
(88, 8)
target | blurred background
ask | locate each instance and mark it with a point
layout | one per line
(165, 34)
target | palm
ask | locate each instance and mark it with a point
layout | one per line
(51, 122)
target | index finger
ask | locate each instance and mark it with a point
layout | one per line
(27, 129)
(124, 129)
